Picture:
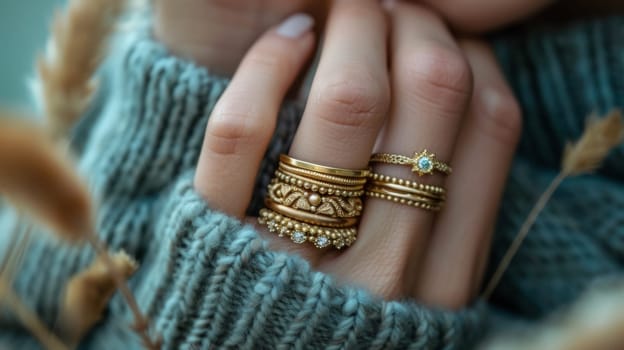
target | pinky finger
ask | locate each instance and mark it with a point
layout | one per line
(242, 122)
(485, 149)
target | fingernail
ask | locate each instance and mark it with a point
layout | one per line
(295, 26)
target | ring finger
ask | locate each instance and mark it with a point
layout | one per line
(431, 85)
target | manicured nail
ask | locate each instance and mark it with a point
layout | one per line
(295, 26)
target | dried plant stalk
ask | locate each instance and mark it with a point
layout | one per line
(39, 178)
(601, 135)
(88, 293)
(141, 323)
(28, 318)
(75, 50)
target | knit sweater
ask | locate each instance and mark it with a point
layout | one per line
(209, 281)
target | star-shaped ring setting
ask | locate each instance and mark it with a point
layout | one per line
(423, 163)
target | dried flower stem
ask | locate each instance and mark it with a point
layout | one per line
(141, 326)
(28, 318)
(522, 234)
(76, 48)
(600, 136)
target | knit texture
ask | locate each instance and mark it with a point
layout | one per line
(206, 281)
(561, 75)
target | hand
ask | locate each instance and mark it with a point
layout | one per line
(356, 107)
(217, 33)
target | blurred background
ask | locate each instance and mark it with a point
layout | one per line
(24, 27)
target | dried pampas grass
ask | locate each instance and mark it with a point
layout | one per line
(88, 293)
(66, 82)
(594, 323)
(601, 135)
(28, 318)
(38, 178)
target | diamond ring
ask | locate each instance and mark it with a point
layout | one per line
(422, 163)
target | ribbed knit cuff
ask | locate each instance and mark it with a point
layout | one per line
(153, 125)
(562, 73)
(210, 282)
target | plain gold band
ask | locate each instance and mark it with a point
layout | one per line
(409, 190)
(323, 169)
(402, 195)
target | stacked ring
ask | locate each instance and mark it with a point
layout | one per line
(423, 163)
(314, 203)
(406, 192)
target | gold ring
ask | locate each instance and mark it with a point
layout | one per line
(314, 203)
(323, 169)
(405, 192)
(300, 232)
(318, 186)
(309, 218)
(423, 163)
(413, 202)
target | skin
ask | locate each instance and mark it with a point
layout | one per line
(390, 79)
(218, 33)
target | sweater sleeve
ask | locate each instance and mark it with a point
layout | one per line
(206, 280)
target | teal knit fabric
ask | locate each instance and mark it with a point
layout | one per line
(207, 281)
(561, 75)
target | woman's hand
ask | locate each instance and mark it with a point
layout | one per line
(217, 33)
(364, 100)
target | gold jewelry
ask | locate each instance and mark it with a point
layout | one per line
(328, 206)
(318, 186)
(314, 203)
(406, 189)
(423, 163)
(406, 192)
(413, 202)
(336, 180)
(416, 185)
(300, 233)
(309, 218)
(323, 169)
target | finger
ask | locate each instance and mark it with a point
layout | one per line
(348, 97)
(242, 122)
(350, 94)
(462, 232)
(484, 15)
(431, 84)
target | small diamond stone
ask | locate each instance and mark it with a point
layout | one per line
(424, 163)
(322, 242)
(298, 237)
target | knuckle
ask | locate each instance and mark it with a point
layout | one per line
(231, 133)
(355, 99)
(502, 119)
(438, 75)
